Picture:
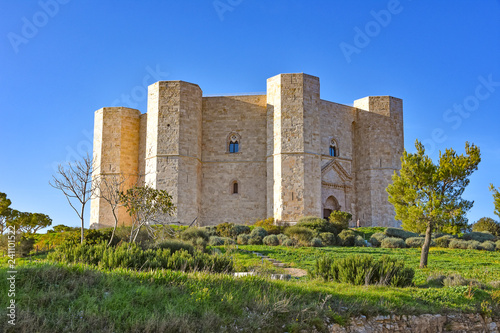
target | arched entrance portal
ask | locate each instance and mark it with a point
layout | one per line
(330, 205)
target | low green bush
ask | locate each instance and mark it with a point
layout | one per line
(436, 280)
(393, 243)
(488, 246)
(316, 224)
(474, 245)
(458, 244)
(316, 242)
(196, 236)
(359, 241)
(364, 270)
(282, 238)
(271, 240)
(482, 236)
(210, 230)
(174, 245)
(377, 238)
(328, 238)
(132, 256)
(239, 229)
(243, 239)
(288, 242)
(258, 231)
(270, 226)
(255, 240)
(444, 241)
(399, 233)
(302, 235)
(455, 280)
(340, 220)
(497, 244)
(347, 237)
(418, 242)
(216, 241)
(225, 229)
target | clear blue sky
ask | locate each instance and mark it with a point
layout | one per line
(60, 63)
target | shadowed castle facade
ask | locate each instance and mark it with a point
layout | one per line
(239, 159)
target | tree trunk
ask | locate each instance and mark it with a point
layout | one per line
(114, 229)
(425, 247)
(83, 210)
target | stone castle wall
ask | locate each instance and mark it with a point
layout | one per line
(283, 167)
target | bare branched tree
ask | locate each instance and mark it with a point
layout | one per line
(75, 181)
(109, 188)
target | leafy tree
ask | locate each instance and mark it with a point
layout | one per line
(496, 199)
(487, 224)
(30, 223)
(62, 228)
(146, 205)
(5, 211)
(75, 183)
(427, 196)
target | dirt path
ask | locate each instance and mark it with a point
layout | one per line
(296, 272)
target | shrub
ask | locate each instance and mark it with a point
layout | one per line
(399, 233)
(282, 238)
(255, 240)
(132, 256)
(393, 243)
(347, 237)
(377, 238)
(316, 224)
(328, 238)
(417, 242)
(455, 280)
(258, 231)
(479, 236)
(458, 244)
(473, 245)
(364, 269)
(243, 239)
(302, 235)
(487, 246)
(444, 241)
(487, 224)
(196, 236)
(340, 220)
(210, 230)
(174, 245)
(225, 229)
(288, 242)
(316, 242)
(436, 280)
(495, 284)
(497, 244)
(269, 225)
(359, 241)
(239, 229)
(216, 241)
(271, 240)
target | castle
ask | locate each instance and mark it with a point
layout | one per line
(285, 154)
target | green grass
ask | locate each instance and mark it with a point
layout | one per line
(74, 298)
(483, 266)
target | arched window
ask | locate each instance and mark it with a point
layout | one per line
(233, 143)
(334, 151)
(234, 187)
